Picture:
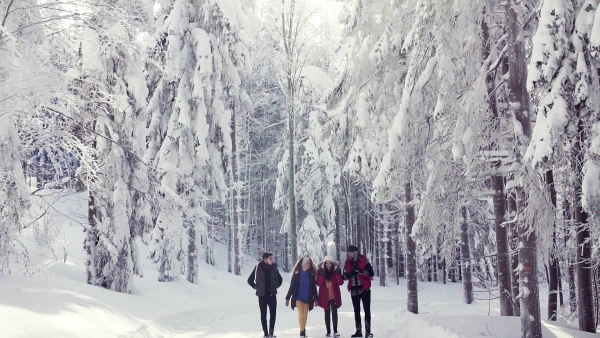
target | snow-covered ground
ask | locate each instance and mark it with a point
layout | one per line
(56, 302)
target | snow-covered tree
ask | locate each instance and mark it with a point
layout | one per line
(111, 78)
(195, 91)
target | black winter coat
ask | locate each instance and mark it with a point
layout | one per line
(258, 282)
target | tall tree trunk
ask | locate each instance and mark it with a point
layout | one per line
(263, 211)
(503, 269)
(531, 324)
(336, 235)
(444, 271)
(293, 231)
(435, 268)
(513, 245)
(383, 240)
(568, 216)
(560, 287)
(237, 208)
(411, 253)
(528, 283)
(192, 255)
(553, 264)
(585, 292)
(91, 241)
(91, 235)
(465, 255)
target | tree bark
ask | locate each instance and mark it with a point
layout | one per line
(553, 264)
(504, 282)
(465, 257)
(531, 324)
(513, 243)
(444, 271)
(528, 284)
(411, 252)
(91, 241)
(568, 217)
(336, 235)
(435, 268)
(585, 292)
(192, 270)
(383, 242)
(503, 269)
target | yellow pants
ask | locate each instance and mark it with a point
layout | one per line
(302, 314)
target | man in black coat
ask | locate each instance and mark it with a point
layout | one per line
(265, 279)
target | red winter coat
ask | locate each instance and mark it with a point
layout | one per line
(336, 281)
(361, 265)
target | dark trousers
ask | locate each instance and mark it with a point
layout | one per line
(331, 312)
(263, 303)
(366, 301)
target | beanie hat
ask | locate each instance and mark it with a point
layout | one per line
(352, 248)
(305, 260)
(267, 255)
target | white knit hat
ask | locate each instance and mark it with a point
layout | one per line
(305, 260)
(328, 258)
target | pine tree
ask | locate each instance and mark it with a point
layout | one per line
(193, 101)
(111, 76)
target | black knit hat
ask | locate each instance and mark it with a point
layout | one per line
(352, 248)
(267, 255)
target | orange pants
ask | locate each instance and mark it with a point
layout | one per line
(302, 314)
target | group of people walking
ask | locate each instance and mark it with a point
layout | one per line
(312, 286)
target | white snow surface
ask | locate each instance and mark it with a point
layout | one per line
(56, 302)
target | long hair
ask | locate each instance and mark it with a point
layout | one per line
(298, 267)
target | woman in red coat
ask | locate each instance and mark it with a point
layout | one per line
(329, 279)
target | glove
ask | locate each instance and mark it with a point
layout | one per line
(322, 272)
(287, 302)
(351, 274)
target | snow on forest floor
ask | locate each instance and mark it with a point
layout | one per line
(56, 302)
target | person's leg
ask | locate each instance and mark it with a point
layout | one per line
(302, 314)
(272, 313)
(356, 305)
(327, 320)
(262, 304)
(366, 299)
(334, 315)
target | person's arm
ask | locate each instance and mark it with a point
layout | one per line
(315, 294)
(369, 270)
(321, 278)
(251, 279)
(349, 274)
(338, 276)
(291, 289)
(279, 279)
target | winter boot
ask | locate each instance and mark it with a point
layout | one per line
(303, 334)
(357, 334)
(336, 334)
(369, 334)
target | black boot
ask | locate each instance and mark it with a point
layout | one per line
(357, 334)
(302, 334)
